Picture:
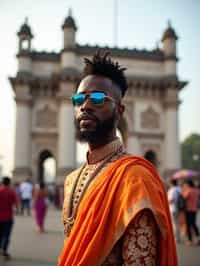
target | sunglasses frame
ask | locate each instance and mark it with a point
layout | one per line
(92, 100)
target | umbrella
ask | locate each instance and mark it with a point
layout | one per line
(185, 173)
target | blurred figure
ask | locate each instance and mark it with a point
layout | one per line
(40, 205)
(8, 199)
(26, 190)
(173, 194)
(18, 193)
(191, 195)
(51, 192)
(59, 196)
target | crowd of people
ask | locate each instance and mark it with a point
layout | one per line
(184, 201)
(26, 199)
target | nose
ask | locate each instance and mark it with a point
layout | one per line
(86, 104)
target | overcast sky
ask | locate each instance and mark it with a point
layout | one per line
(140, 25)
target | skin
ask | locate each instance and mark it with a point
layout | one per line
(87, 113)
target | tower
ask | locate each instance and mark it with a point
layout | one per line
(171, 101)
(68, 77)
(169, 40)
(23, 101)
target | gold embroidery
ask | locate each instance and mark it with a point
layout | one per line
(131, 212)
(139, 247)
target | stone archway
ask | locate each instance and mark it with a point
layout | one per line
(151, 156)
(42, 158)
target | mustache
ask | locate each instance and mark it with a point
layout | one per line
(87, 116)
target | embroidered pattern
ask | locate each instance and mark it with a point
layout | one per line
(140, 242)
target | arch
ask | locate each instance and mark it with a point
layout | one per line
(151, 156)
(42, 158)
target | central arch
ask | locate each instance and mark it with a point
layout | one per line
(45, 165)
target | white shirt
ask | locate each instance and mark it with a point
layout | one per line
(26, 190)
(172, 194)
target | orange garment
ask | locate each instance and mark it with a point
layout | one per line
(111, 202)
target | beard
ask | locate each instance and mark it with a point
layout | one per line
(102, 130)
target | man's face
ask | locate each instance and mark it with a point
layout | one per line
(94, 123)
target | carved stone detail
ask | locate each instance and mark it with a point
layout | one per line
(46, 118)
(150, 119)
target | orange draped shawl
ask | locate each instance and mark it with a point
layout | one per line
(111, 202)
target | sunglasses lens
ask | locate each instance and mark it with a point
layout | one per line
(97, 98)
(78, 99)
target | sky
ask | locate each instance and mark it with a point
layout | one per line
(140, 24)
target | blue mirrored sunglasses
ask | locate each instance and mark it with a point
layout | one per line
(96, 98)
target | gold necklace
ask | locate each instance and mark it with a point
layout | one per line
(72, 212)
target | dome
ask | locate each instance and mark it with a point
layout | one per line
(25, 29)
(69, 22)
(169, 33)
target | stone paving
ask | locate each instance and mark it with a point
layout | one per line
(28, 248)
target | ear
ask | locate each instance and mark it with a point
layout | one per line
(121, 108)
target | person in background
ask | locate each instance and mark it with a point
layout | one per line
(191, 196)
(173, 194)
(18, 193)
(8, 200)
(26, 190)
(40, 197)
(115, 209)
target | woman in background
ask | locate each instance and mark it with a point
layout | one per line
(191, 195)
(40, 206)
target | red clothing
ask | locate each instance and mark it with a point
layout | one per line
(8, 199)
(191, 196)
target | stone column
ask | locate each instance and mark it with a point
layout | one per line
(133, 145)
(66, 139)
(22, 167)
(172, 146)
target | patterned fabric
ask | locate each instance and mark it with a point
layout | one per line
(139, 244)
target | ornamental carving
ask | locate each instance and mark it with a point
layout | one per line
(150, 119)
(46, 118)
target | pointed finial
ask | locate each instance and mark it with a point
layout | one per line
(169, 23)
(70, 12)
(26, 20)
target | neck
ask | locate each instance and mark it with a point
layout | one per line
(101, 142)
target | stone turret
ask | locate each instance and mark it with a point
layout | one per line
(25, 35)
(169, 39)
(69, 31)
(24, 54)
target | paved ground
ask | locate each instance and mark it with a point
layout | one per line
(29, 248)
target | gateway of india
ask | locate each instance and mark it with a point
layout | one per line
(44, 116)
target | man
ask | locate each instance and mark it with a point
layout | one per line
(173, 194)
(115, 209)
(8, 199)
(26, 190)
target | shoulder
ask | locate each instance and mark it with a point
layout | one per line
(137, 171)
(70, 177)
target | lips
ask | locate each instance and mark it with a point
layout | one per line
(87, 121)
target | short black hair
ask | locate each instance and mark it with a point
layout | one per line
(189, 182)
(173, 182)
(6, 181)
(101, 64)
